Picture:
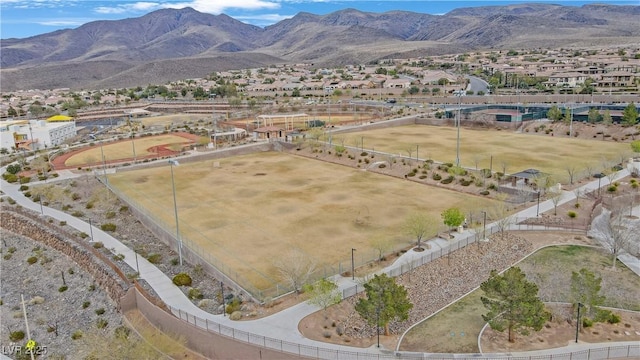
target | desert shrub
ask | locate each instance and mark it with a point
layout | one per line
(16, 336)
(100, 311)
(13, 169)
(448, 164)
(36, 300)
(154, 258)
(24, 179)
(77, 213)
(423, 176)
(195, 294)
(612, 188)
(108, 227)
(89, 205)
(10, 178)
(572, 214)
(32, 260)
(576, 205)
(24, 187)
(174, 261)
(236, 315)
(123, 209)
(182, 279)
(613, 319)
(486, 173)
(492, 186)
(411, 174)
(364, 153)
(76, 335)
(586, 322)
(436, 177)
(102, 323)
(75, 196)
(382, 166)
(98, 245)
(27, 193)
(86, 304)
(11, 201)
(448, 180)
(122, 332)
(233, 306)
(11, 250)
(66, 207)
(63, 288)
(456, 170)
(484, 192)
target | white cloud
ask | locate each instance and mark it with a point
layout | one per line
(262, 18)
(206, 6)
(37, 4)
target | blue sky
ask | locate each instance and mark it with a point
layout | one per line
(24, 18)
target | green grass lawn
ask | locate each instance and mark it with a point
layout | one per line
(551, 269)
(516, 151)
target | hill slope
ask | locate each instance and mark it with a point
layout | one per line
(174, 44)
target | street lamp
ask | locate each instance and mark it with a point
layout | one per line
(378, 322)
(578, 322)
(353, 265)
(173, 163)
(538, 208)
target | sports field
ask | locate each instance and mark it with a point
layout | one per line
(517, 151)
(124, 150)
(248, 211)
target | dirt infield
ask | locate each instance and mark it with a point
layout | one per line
(122, 151)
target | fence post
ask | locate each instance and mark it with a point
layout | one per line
(206, 321)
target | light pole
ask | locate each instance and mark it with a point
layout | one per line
(173, 163)
(578, 322)
(538, 207)
(90, 229)
(42, 209)
(378, 322)
(353, 265)
(104, 164)
(417, 150)
(458, 137)
(224, 310)
(484, 225)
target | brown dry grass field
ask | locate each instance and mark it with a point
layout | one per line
(517, 151)
(123, 150)
(252, 209)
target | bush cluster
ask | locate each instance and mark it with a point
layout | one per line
(182, 279)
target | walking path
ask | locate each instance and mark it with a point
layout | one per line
(284, 324)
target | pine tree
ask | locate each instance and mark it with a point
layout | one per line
(385, 302)
(513, 303)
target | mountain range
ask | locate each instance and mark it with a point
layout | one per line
(173, 44)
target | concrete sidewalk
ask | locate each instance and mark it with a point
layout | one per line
(282, 325)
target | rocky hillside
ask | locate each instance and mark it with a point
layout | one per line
(186, 43)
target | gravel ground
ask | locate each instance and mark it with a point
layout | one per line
(53, 315)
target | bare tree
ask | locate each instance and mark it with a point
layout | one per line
(555, 196)
(503, 219)
(571, 169)
(614, 232)
(588, 168)
(381, 244)
(295, 268)
(577, 192)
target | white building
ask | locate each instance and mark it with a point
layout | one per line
(35, 134)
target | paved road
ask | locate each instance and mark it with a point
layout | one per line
(282, 325)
